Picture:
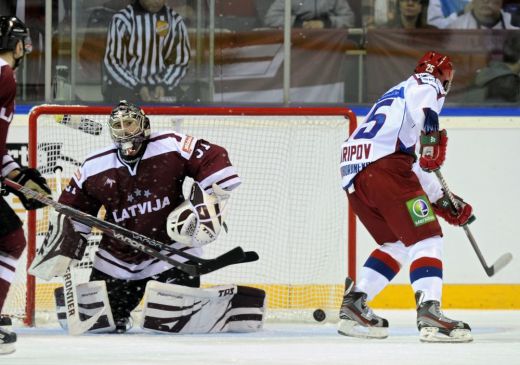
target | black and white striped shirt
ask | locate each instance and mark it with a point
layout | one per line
(147, 48)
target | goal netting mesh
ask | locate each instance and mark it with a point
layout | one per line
(290, 207)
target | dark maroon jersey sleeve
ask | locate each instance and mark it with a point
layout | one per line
(7, 95)
(210, 163)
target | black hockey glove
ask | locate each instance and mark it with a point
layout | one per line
(32, 179)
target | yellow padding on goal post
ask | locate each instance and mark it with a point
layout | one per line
(460, 296)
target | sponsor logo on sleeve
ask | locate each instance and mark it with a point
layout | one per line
(186, 147)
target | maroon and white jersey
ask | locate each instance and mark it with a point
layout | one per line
(7, 95)
(139, 197)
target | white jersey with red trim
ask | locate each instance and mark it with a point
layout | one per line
(140, 196)
(393, 124)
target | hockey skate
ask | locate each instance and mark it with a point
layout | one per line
(357, 319)
(434, 326)
(7, 338)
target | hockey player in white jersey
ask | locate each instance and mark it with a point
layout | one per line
(398, 200)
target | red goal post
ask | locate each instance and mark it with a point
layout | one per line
(244, 113)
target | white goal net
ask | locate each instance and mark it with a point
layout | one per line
(290, 208)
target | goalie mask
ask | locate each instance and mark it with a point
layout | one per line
(129, 128)
(12, 31)
(437, 65)
(199, 220)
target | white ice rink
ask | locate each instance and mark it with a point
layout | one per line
(496, 342)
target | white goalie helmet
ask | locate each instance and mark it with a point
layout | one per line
(198, 220)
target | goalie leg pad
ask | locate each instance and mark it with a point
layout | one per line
(91, 297)
(173, 308)
(247, 310)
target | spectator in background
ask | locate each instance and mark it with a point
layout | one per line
(443, 12)
(500, 80)
(402, 14)
(147, 53)
(312, 14)
(378, 13)
(513, 7)
(484, 14)
(410, 14)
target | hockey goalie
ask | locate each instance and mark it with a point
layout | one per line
(138, 180)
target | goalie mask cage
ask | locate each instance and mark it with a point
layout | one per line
(290, 207)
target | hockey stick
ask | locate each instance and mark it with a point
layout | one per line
(74, 323)
(199, 266)
(81, 123)
(502, 260)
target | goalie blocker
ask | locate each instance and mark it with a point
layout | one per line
(171, 308)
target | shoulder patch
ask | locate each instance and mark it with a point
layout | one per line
(187, 146)
(77, 175)
(427, 79)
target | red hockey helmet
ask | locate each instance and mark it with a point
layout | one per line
(438, 65)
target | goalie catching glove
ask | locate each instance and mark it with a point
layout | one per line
(433, 149)
(199, 220)
(31, 179)
(63, 246)
(457, 216)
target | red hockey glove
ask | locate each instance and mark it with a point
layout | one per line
(433, 149)
(457, 217)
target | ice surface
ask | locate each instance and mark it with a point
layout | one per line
(496, 342)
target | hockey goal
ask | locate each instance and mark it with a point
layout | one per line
(290, 207)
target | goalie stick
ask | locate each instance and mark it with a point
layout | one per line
(81, 123)
(74, 323)
(199, 266)
(502, 260)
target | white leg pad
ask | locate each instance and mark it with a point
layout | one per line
(91, 297)
(179, 309)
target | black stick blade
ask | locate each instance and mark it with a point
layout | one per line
(234, 256)
(250, 256)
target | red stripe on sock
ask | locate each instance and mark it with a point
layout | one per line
(387, 259)
(426, 262)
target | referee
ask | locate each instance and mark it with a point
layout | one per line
(147, 53)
